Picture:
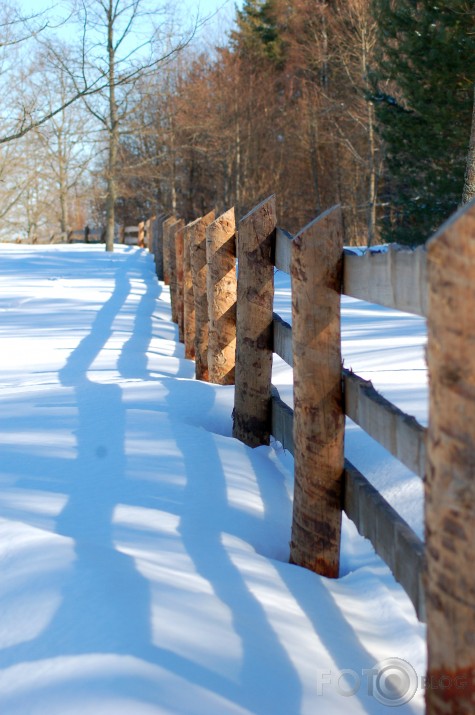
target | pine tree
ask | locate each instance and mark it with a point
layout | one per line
(423, 100)
(258, 35)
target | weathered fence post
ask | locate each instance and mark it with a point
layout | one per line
(198, 271)
(221, 286)
(189, 331)
(319, 421)
(167, 224)
(450, 478)
(254, 347)
(174, 228)
(179, 247)
(149, 233)
(141, 234)
(158, 244)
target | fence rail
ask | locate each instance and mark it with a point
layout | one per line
(327, 483)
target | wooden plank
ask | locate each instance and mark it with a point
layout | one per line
(393, 539)
(398, 432)
(222, 294)
(319, 420)
(282, 421)
(283, 339)
(396, 279)
(252, 413)
(283, 245)
(450, 483)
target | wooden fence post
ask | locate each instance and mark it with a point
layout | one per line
(167, 224)
(179, 247)
(222, 293)
(199, 270)
(141, 234)
(254, 349)
(149, 223)
(319, 421)
(158, 244)
(189, 331)
(450, 478)
(174, 228)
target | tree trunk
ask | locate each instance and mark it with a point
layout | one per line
(469, 186)
(113, 132)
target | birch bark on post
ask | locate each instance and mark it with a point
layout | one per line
(179, 281)
(319, 421)
(450, 483)
(222, 292)
(252, 400)
(174, 228)
(199, 270)
(188, 293)
(167, 224)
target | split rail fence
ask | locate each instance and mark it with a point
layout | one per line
(226, 321)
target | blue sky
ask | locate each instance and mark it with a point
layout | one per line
(212, 33)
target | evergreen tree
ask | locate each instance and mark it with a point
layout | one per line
(423, 100)
(258, 35)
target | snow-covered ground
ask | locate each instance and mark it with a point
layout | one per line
(143, 550)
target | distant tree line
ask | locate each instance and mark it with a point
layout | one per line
(366, 103)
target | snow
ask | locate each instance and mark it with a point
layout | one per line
(144, 551)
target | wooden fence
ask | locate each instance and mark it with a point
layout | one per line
(229, 328)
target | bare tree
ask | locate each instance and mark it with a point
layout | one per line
(120, 45)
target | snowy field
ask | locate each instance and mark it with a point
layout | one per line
(143, 550)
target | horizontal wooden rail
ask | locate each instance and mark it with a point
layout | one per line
(282, 250)
(282, 421)
(396, 278)
(395, 430)
(283, 339)
(393, 539)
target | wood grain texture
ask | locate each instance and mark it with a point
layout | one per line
(450, 482)
(397, 431)
(396, 279)
(174, 228)
(222, 293)
(318, 403)
(283, 339)
(179, 248)
(392, 538)
(282, 421)
(167, 224)
(252, 408)
(199, 269)
(188, 293)
(157, 229)
(283, 253)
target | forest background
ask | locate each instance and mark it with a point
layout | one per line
(366, 103)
